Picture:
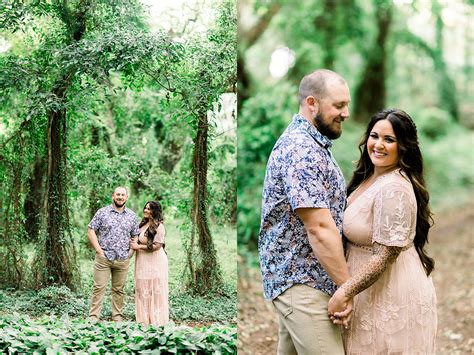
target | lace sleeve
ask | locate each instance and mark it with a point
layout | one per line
(382, 257)
(394, 216)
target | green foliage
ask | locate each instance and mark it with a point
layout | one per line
(213, 308)
(433, 122)
(60, 301)
(449, 170)
(52, 300)
(53, 335)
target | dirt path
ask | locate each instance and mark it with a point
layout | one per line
(451, 245)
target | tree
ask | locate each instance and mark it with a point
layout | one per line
(213, 73)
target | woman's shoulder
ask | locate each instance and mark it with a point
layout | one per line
(396, 180)
(161, 228)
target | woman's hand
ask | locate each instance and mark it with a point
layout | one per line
(134, 244)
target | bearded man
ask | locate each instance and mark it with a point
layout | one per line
(301, 252)
(110, 233)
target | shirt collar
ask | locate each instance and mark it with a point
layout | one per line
(112, 209)
(318, 137)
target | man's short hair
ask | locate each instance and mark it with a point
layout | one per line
(315, 84)
(121, 187)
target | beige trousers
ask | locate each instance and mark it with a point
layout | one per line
(305, 327)
(103, 268)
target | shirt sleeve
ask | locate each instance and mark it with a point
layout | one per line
(135, 229)
(96, 221)
(160, 234)
(394, 216)
(304, 178)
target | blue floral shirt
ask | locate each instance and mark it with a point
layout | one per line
(301, 172)
(114, 230)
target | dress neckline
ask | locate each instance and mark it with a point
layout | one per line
(377, 179)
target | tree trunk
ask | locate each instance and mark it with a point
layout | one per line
(206, 272)
(34, 200)
(370, 93)
(58, 262)
(58, 256)
(11, 253)
(326, 24)
(94, 204)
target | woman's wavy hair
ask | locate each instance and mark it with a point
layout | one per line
(411, 163)
(157, 214)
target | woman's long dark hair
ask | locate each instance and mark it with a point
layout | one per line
(157, 214)
(411, 163)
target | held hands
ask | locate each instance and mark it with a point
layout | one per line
(340, 308)
(134, 243)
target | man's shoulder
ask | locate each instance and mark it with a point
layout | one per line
(103, 210)
(129, 211)
(298, 145)
(297, 139)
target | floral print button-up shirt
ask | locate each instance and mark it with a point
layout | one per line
(301, 172)
(114, 230)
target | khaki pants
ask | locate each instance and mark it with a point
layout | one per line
(103, 268)
(305, 327)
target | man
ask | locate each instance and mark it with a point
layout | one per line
(115, 225)
(301, 253)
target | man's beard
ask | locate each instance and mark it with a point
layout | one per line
(119, 205)
(324, 128)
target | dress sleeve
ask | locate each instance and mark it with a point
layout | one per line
(394, 216)
(160, 234)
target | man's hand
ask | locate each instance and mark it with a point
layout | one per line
(134, 244)
(94, 242)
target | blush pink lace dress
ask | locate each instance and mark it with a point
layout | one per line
(397, 314)
(151, 282)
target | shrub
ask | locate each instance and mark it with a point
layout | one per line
(58, 300)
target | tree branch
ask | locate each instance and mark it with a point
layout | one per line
(255, 32)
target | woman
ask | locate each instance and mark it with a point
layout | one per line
(386, 223)
(151, 268)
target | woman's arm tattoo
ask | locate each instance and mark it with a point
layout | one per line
(382, 257)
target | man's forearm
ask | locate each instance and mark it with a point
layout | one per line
(327, 247)
(325, 240)
(93, 240)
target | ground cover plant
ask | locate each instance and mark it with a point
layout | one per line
(51, 335)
